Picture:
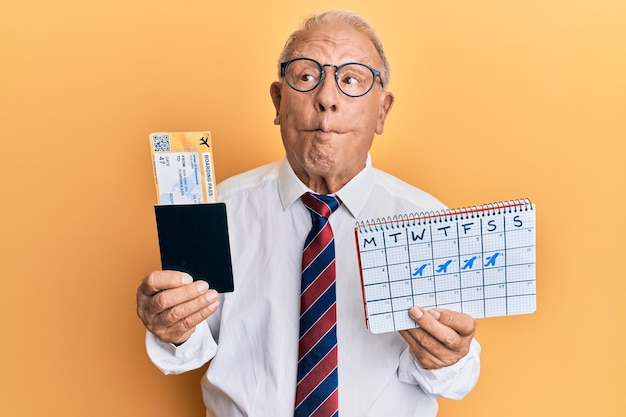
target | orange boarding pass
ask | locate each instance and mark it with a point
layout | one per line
(183, 167)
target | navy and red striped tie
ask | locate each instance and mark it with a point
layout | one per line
(317, 389)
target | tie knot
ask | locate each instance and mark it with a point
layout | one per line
(320, 204)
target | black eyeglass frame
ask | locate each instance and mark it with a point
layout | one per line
(375, 73)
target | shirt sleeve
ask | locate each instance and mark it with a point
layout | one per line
(195, 352)
(452, 382)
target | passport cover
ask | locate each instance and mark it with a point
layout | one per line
(193, 238)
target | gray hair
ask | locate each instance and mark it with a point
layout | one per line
(338, 16)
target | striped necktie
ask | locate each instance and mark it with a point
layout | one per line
(317, 389)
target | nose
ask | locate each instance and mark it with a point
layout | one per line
(327, 97)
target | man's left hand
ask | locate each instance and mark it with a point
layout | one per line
(442, 339)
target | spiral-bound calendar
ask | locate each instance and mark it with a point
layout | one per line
(478, 260)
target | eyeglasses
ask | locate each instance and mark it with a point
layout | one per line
(353, 79)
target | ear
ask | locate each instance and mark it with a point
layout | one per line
(275, 93)
(386, 102)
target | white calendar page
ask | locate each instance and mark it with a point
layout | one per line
(479, 260)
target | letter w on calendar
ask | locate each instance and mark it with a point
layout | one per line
(476, 260)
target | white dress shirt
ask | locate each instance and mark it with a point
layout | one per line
(252, 340)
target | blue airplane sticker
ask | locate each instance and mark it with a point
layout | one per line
(469, 263)
(443, 267)
(419, 271)
(491, 260)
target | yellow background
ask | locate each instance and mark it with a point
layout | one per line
(494, 100)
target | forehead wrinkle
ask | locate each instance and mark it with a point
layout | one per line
(333, 46)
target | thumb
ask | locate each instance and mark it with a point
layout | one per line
(462, 323)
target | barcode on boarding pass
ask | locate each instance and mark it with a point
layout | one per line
(161, 143)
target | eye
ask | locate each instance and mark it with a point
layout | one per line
(350, 81)
(307, 78)
(353, 76)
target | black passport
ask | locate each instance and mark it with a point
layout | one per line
(193, 238)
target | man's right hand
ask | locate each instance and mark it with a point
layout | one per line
(171, 305)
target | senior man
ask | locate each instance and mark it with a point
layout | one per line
(291, 339)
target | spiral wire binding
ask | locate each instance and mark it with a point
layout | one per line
(399, 221)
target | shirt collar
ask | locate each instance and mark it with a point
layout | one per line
(353, 195)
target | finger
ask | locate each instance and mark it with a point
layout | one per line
(420, 340)
(184, 310)
(162, 280)
(430, 352)
(180, 330)
(463, 324)
(166, 299)
(433, 328)
(426, 358)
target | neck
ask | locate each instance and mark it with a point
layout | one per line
(326, 180)
(323, 184)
